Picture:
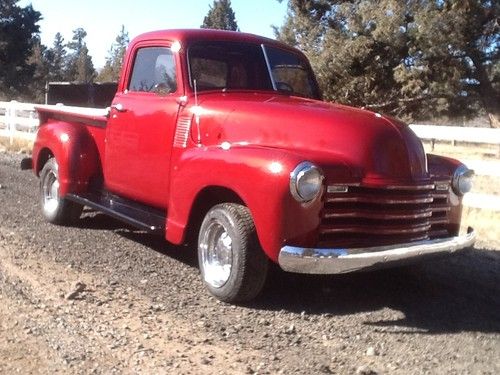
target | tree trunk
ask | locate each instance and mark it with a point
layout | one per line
(494, 120)
(489, 96)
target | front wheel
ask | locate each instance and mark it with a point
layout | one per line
(232, 264)
(55, 209)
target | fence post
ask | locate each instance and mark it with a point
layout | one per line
(9, 116)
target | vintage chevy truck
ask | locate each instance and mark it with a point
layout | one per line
(222, 138)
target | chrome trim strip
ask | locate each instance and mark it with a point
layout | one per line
(379, 215)
(409, 187)
(332, 189)
(381, 200)
(385, 229)
(440, 208)
(442, 186)
(341, 260)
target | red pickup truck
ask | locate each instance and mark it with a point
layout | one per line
(222, 138)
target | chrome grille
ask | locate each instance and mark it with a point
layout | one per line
(367, 216)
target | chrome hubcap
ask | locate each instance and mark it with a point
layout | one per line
(216, 246)
(50, 192)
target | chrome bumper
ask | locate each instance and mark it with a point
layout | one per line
(332, 261)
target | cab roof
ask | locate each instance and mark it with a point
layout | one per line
(190, 35)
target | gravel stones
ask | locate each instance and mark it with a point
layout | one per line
(76, 290)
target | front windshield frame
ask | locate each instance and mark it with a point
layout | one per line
(259, 76)
(301, 63)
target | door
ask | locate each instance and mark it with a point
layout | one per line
(141, 128)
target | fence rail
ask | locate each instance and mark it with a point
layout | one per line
(457, 134)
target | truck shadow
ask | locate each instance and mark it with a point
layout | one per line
(98, 221)
(456, 294)
(460, 293)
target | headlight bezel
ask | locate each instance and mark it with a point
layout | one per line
(461, 182)
(300, 187)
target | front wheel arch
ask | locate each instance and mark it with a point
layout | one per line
(205, 200)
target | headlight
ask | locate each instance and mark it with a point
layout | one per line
(305, 182)
(462, 180)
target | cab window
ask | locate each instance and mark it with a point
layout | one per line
(153, 71)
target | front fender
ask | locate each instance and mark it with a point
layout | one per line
(260, 177)
(443, 168)
(75, 151)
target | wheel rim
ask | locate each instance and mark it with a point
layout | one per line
(50, 192)
(216, 246)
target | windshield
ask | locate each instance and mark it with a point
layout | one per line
(291, 73)
(245, 66)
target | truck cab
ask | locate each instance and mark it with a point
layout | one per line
(222, 138)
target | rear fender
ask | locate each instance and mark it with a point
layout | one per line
(75, 151)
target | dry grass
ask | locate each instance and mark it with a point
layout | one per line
(465, 150)
(486, 185)
(485, 222)
(20, 146)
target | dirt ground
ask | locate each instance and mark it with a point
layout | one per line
(104, 298)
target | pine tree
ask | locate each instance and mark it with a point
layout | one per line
(220, 16)
(18, 29)
(412, 58)
(56, 59)
(39, 63)
(112, 68)
(79, 64)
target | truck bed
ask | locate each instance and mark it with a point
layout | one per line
(71, 113)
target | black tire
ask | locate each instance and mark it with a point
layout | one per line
(56, 210)
(232, 263)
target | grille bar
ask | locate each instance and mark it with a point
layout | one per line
(379, 229)
(370, 214)
(382, 200)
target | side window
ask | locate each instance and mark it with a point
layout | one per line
(153, 71)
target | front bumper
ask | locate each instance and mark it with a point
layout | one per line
(333, 261)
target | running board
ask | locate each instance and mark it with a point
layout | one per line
(136, 214)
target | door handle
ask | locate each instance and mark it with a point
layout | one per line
(119, 107)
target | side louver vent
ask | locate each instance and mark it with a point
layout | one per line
(182, 131)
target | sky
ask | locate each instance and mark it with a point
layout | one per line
(102, 19)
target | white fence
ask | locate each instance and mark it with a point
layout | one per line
(457, 134)
(20, 121)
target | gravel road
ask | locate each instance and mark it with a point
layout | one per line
(104, 298)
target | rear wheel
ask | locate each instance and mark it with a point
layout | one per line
(232, 264)
(55, 209)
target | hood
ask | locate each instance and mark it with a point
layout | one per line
(373, 147)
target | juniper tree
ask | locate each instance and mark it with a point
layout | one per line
(220, 16)
(18, 29)
(79, 63)
(412, 58)
(114, 60)
(57, 59)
